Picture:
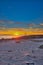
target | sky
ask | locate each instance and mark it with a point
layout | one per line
(27, 11)
(19, 17)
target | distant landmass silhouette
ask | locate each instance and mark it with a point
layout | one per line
(24, 37)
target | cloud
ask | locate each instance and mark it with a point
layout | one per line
(15, 24)
(32, 24)
(41, 24)
(1, 22)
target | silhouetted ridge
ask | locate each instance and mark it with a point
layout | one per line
(24, 37)
(31, 36)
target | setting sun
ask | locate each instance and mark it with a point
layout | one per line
(16, 34)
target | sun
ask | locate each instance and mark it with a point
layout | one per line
(16, 34)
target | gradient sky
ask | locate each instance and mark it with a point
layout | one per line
(23, 14)
(26, 11)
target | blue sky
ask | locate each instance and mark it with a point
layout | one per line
(22, 10)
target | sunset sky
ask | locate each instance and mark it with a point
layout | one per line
(21, 17)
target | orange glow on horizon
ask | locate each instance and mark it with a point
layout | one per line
(17, 32)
